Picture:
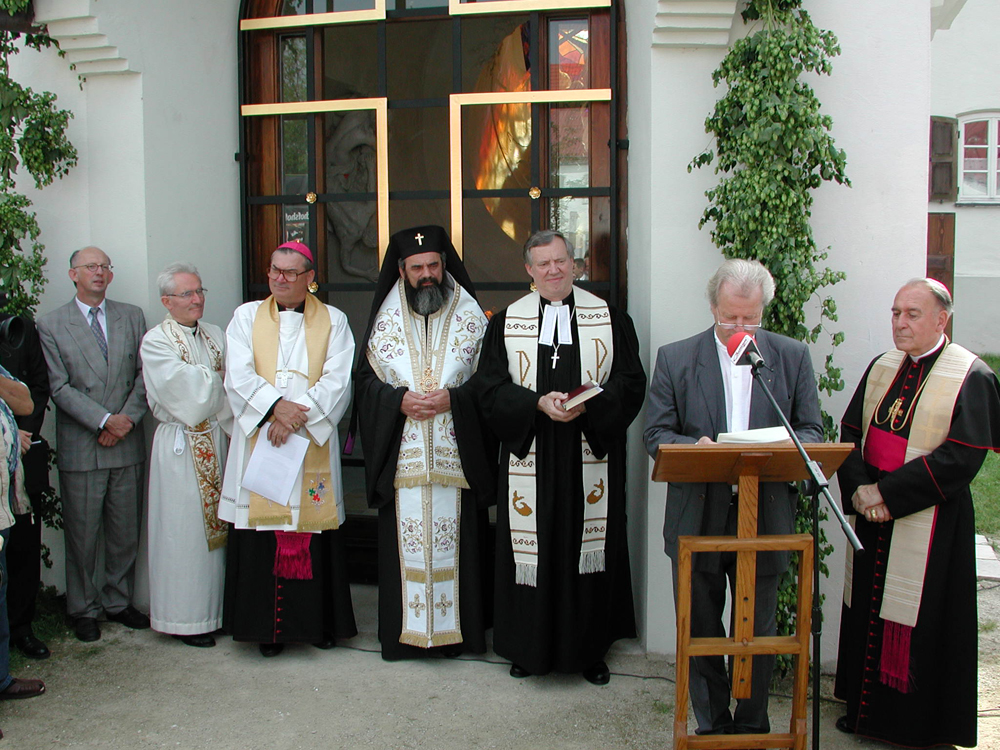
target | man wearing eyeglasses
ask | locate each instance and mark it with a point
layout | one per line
(91, 347)
(183, 363)
(697, 393)
(288, 372)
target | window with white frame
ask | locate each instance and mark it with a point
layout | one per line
(980, 158)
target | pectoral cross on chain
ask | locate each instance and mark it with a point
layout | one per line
(555, 355)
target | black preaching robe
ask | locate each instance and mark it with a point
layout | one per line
(942, 703)
(381, 425)
(569, 620)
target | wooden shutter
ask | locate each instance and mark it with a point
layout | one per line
(943, 172)
(941, 252)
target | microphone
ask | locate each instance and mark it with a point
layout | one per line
(743, 350)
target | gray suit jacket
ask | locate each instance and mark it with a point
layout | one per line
(85, 387)
(687, 400)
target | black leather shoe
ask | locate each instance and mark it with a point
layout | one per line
(86, 629)
(130, 617)
(31, 647)
(519, 672)
(451, 652)
(326, 643)
(202, 640)
(597, 673)
(844, 725)
(271, 649)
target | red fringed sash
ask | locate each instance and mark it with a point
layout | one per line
(291, 557)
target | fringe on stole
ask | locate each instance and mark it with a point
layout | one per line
(526, 575)
(592, 562)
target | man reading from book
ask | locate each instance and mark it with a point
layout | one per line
(696, 394)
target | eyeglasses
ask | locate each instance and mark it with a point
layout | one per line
(200, 291)
(290, 276)
(92, 267)
(748, 327)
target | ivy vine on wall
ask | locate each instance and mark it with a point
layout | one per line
(774, 147)
(32, 135)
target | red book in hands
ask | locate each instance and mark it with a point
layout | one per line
(581, 393)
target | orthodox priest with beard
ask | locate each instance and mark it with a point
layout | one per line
(922, 420)
(429, 465)
(563, 584)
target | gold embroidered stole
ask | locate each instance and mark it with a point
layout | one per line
(911, 535)
(201, 443)
(318, 508)
(596, 344)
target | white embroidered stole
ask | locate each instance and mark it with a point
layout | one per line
(400, 355)
(596, 345)
(911, 535)
(429, 475)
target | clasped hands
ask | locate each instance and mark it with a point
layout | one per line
(551, 405)
(868, 502)
(116, 427)
(288, 416)
(421, 406)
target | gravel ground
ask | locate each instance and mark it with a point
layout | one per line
(139, 689)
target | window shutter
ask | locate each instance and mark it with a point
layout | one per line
(943, 172)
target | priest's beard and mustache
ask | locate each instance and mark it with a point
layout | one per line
(427, 299)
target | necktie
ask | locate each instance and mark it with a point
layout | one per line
(98, 331)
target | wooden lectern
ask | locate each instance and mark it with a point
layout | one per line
(745, 464)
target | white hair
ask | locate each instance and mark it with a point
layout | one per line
(165, 281)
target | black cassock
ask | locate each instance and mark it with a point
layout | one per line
(942, 703)
(569, 620)
(381, 425)
(261, 607)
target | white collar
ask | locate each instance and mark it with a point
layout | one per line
(930, 351)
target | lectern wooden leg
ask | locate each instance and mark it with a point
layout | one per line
(683, 671)
(746, 584)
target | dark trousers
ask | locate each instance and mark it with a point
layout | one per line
(24, 568)
(709, 678)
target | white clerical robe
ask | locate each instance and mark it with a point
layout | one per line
(251, 397)
(185, 578)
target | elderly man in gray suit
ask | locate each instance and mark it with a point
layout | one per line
(695, 394)
(91, 347)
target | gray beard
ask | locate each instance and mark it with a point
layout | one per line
(425, 300)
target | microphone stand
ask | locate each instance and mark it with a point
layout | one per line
(818, 484)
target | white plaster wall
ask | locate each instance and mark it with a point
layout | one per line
(879, 98)
(186, 53)
(961, 84)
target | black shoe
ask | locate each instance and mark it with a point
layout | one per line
(519, 672)
(597, 673)
(453, 651)
(326, 643)
(271, 649)
(844, 725)
(86, 629)
(202, 640)
(130, 617)
(31, 647)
